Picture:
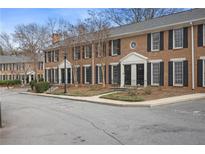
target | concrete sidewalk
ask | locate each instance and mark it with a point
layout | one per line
(151, 103)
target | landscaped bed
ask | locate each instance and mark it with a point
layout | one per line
(83, 91)
(149, 93)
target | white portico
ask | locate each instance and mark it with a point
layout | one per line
(65, 75)
(133, 70)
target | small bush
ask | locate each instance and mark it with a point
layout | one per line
(132, 92)
(148, 90)
(9, 82)
(41, 87)
(41, 79)
(32, 84)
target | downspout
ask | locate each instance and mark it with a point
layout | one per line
(192, 55)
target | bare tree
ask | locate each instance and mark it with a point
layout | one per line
(99, 29)
(31, 39)
(7, 46)
(122, 16)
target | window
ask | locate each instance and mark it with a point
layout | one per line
(115, 74)
(76, 51)
(133, 45)
(87, 74)
(155, 41)
(49, 56)
(178, 73)
(99, 74)
(178, 38)
(40, 65)
(88, 51)
(56, 55)
(155, 70)
(115, 47)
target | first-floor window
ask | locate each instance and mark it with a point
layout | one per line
(178, 73)
(114, 74)
(155, 73)
(87, 74)
(99, 74)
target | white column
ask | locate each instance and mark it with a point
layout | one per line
(66, 75)
(145, 74)
(29, 78)
(133, 75)
(122, 76)
(71, 75)
(192, 56)
(93, 64)
(54, 75)
(59, 75)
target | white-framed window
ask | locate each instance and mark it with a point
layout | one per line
(87, 74)
(178, 73)
(155, 41)
(178, 38)
(115, 47)
(155, 73)
(87, 51)
(76, 51)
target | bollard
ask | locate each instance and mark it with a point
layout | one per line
(0, 117)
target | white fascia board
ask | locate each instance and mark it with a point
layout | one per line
(155, 61)
(178, 59)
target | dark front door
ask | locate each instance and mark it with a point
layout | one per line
(68, 75)
(127, 74)
(140, 74)
(62, 75)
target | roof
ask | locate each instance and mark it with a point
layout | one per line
(16, 59)
(181, 17)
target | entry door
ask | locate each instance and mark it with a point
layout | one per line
(68, 74)
(62, 75)
(127, 74)
(140, 74)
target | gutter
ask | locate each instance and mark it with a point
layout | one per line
(192, 55)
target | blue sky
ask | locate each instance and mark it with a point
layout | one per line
(9, 18)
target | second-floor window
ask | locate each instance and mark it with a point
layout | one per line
(155, 41)
(56, 59)
(115, 47)
(76, 53)
(49, 56)
(88, 51)
(178, 38)
(40, 65)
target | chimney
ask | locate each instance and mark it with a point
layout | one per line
(56, 38)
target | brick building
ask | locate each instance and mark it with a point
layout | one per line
(20, 67)
(168, 51)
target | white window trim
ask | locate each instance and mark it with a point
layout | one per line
(203, 34)
(85, 71)
(177, 85)
(86, 51)
(177, 59)
(112, 49)
(203, 72)
(152, 42)
(154, 84)
(174, 39)
(131, 45)
(155, 61)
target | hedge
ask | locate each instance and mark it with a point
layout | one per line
(9, 82)
(41, 87)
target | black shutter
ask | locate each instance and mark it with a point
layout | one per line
(45, 75)
(170, 73)
(185, 37)
(119, 73)
(119, 46)
(105, 73)
(200, 35)
(45, 57)
(200, 73)
(161, 83)
(185, 73)
(83, 75)
(90, 70)
(96, 74)
(149, 42)
(170, 40)
(109, 74)
(78, 74)
(110, 48)
(161, 40)
(148, 73)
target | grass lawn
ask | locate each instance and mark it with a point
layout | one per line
(83, 91)
(149, 93)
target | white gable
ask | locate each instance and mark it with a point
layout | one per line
(68, 64)
(133, 58)
(30, 73)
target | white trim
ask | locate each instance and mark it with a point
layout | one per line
(112, 49)
(114, 63)
(177, 59)
(87, 65)
(154, 84)
(178, 85)
(203, 76)
(99, 74)
(154, 50)
(202, 57)
(192, 56)
(77, 66)
(174, 38)
(134, 53)
(131, 44)
(85, 72)
(155, 61)
(203, 34)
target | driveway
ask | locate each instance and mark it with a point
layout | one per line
(40, 120)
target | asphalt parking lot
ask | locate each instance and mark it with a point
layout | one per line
(40, 120)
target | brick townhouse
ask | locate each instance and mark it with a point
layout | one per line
(167, 51)
(20, 67)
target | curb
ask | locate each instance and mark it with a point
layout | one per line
(150, 103)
